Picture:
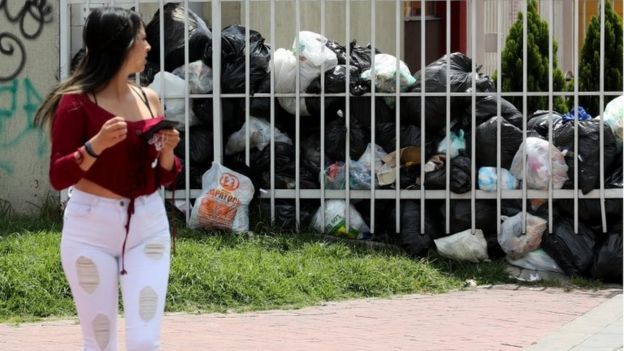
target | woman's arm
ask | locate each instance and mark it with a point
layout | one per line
(170, 165)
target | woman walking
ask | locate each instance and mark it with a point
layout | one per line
(115, 228)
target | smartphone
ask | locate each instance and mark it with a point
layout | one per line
(164, 124)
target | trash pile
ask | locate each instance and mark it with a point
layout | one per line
(228, 189)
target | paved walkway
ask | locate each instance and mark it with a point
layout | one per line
(486, 318)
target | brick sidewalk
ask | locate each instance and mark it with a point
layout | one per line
(495, 318)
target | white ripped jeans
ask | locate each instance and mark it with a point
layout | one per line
(91, 246)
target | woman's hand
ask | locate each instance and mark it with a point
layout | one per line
(170, 138)
(112, 132)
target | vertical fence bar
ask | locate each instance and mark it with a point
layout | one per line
(187, 134)
(601, 139)
(217, 119)
(397, 115)
(447, 188)
(499, 176)
(247, 83)
(65, 45)
(137, 76)
(550, 108)
(322, 160)
(64, 57)
(524, 111)
(473, 102)
(161, 56)
(347, 116)
(272, 110)
(297, 114)
(423, 133)
(373, 119)
(575, 107)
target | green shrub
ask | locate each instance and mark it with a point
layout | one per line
(537, 63)
(589, 67)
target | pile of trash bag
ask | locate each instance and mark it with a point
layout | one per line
(395, 152)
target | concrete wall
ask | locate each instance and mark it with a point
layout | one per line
(335, 22)
(26, 75)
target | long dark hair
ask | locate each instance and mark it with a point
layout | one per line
(108, 34)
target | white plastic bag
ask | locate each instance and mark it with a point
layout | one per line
(488, 178)
(259, 136)
(614, 117)
(224, 202)
(538, 167)
(385, 74)
(200, 77)
(174, 107)
(537, 260)
(365, 159)
(464, 246)
(286, 81)
(312, 55)
(514, 242)
(335, 220)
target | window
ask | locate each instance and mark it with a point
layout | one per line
(415, 8)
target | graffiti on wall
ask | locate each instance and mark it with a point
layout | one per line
(30, 18)
(14, 130)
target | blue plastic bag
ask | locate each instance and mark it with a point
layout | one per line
(487, 179)
(582, 115)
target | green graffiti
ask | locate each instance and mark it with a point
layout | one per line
(13, 130)
(8, 114)
(8, 89)
(6, 168)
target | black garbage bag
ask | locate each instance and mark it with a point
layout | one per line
(485, 219)
(195, 173)
(589, 211)
(588, 153)
(511, 139)
(338, 49)
(409, 236)
(460, 78)
(284, 168)
(608, 259)
(360, 55)
(336, 80)
(616, 178)
(574, 253)
(202, 108)
(538, 121)
(200, 37)
(233, 112)
(385, 136)
(286, 213)
(201, 146)
(233, 59)
(486, 107)
(335, 134)
(460, 176)
(261, 106)
(360, 110)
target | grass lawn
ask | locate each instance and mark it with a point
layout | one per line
(224, 272)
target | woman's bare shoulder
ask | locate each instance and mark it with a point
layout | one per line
(154, 100)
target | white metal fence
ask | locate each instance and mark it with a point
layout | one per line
(326, 8)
